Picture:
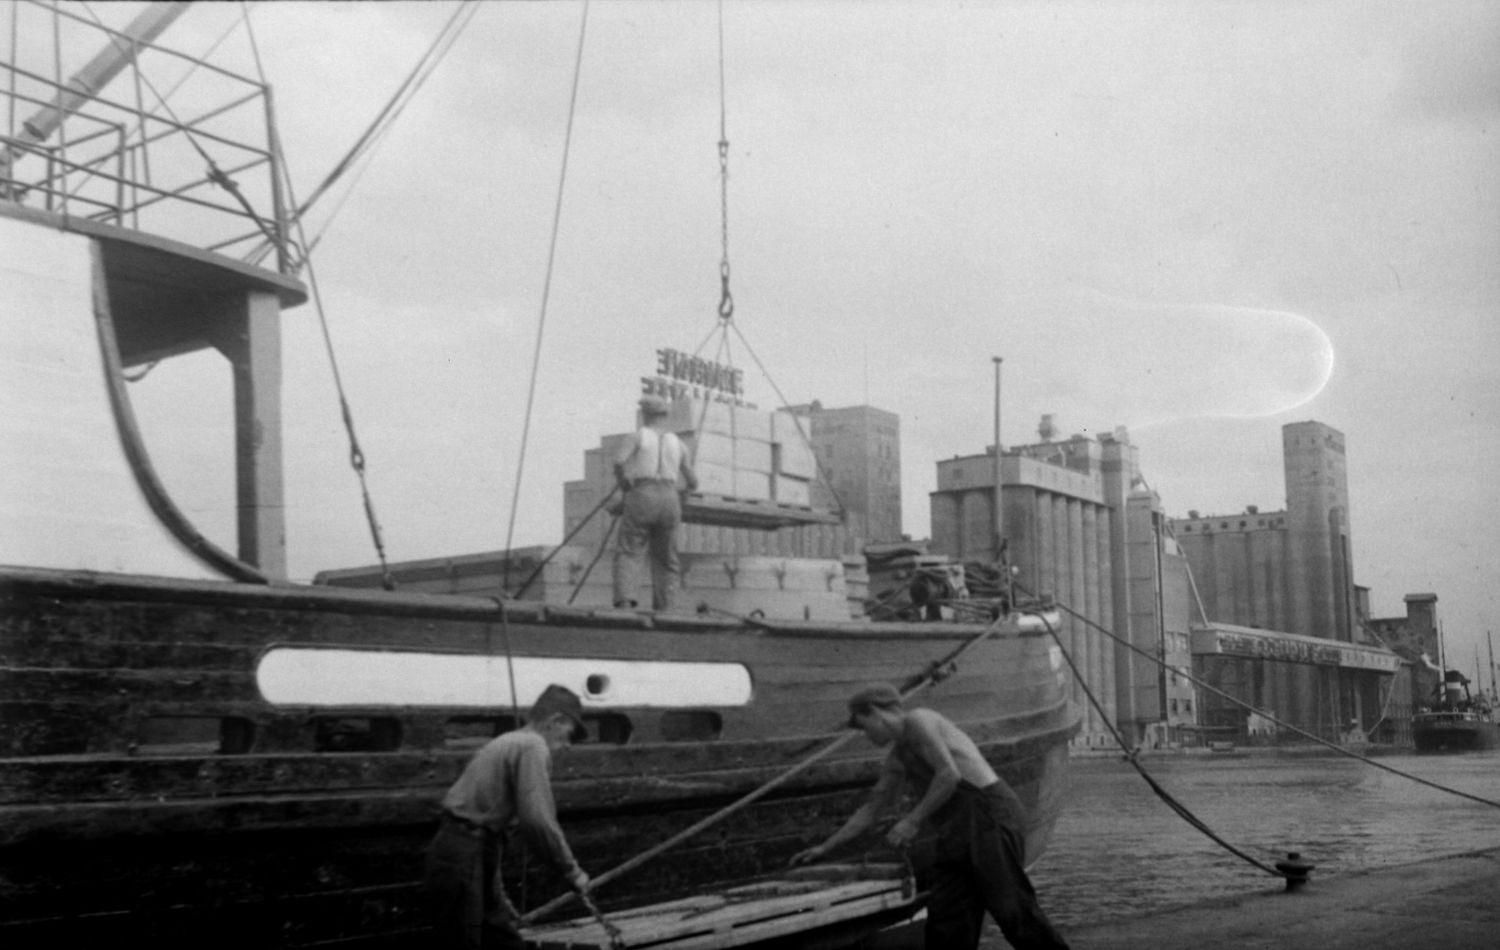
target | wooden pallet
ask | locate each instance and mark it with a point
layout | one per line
(792, 903)
(731, 512)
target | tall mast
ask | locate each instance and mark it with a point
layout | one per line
(999, 509)
(1493, 694)
(1442, 659)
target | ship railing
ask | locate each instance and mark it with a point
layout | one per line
(141, 162)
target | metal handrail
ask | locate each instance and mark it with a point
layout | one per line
(105, 152)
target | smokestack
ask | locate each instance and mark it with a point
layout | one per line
(1046, 430)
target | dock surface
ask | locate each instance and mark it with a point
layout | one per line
(1450, 902)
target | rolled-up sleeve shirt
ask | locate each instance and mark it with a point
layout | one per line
(510, 779)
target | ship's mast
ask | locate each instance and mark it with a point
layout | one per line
(1491, 640)
(999, 509)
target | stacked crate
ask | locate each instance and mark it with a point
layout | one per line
(746, 453)
(730, 447)
(795, 467)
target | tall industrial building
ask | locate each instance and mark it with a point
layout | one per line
(1282, 630)
(859, 459)
(1285, 570)
(1081, 525)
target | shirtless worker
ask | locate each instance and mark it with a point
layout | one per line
(980, 857)
(508, 780)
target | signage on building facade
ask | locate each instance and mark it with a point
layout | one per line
(680, 375)
(1270, 647)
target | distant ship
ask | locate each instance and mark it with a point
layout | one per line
(1456, 721)
(193, 749)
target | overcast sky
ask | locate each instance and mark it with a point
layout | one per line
(1197, 221)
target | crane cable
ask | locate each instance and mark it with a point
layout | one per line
(374, 134)
(356, 453)
(726, 299)
(726, 296)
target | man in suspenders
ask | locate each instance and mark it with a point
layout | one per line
(647, 468)
(980, 860)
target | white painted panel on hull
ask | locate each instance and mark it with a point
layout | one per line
(298, 676)
(68, 498)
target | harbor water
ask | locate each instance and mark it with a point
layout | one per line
(1119, 851)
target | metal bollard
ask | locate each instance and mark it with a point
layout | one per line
(1295, 870)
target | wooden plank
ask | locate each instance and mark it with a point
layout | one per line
(739, 916)
(733, 512)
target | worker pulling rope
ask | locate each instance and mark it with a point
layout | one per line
(934, 673)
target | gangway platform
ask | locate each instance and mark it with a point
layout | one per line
(824, 900)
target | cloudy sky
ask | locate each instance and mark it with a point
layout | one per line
(1197, 221)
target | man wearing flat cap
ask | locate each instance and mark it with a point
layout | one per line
(980, 850)
(646, 469)
(508, 781)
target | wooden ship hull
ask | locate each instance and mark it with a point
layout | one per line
(193, 748)
(149, 786)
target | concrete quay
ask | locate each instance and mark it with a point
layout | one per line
(1449, 902)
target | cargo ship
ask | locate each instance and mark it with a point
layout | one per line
(1455, 720)
(194, 747)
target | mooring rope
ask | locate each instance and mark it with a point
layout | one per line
(935, 673)
(1286, 725)
(1130, 756)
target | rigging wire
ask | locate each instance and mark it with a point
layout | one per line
(356, 454)
(726, 299)
(536, 357)
(1286, 725)
(374, 134)
(726, 296)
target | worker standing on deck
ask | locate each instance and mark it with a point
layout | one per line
(979, 821)
(647, 468)
(508, 780)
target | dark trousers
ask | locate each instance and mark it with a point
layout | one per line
(648, 526)
(464, 895)
(980, 867)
